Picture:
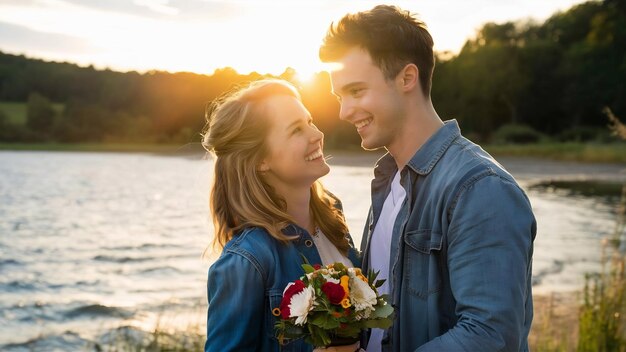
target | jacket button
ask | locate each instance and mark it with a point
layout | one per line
(308, 243)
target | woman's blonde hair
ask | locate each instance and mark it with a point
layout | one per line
(236, 133)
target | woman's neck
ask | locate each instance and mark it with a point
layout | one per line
(298, 206)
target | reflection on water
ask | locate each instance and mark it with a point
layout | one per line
(97, 244)
(587, 188)
(573, 218)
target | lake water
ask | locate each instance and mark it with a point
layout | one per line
(91, 242)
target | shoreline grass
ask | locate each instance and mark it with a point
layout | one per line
(576, 152)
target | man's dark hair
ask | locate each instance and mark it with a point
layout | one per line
(391, 36)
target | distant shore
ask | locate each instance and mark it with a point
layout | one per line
(573, 153)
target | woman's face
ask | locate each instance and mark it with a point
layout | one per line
(295, 158)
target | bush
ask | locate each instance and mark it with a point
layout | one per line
(585, 134)
(516, 134)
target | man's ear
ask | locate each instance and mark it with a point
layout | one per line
(408, 78)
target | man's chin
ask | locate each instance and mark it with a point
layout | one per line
(370, 146)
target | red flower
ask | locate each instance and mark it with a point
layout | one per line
(317, 266)
(291, 290)
(334, 292)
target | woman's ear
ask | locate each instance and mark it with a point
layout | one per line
(263, 167)
(408, 78)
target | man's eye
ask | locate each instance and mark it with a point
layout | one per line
(296, 130)
(356, 91)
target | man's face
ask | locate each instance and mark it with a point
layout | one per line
(368, 101)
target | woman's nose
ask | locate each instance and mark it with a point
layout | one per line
(316, 134)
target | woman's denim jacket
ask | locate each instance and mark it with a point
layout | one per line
(461, 252)
(246, 283)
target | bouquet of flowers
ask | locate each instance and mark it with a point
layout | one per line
(331, 303)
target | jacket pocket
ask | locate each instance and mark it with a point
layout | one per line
(421, 255)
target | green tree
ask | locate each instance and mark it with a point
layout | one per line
(40, 114)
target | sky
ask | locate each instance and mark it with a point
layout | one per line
(200, 36)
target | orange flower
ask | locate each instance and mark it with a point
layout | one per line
(346, 303)
(344, 283)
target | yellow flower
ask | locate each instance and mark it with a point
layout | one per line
(345, 303)
(344, 280)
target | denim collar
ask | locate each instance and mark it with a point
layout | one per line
(295, 230)
(425, 157)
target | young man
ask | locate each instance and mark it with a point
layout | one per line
(449, 228)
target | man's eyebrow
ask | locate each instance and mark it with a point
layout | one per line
(349, 86)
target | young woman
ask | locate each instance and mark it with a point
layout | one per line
(269, 211)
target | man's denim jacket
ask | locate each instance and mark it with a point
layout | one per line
(461, 250)
(246, 283)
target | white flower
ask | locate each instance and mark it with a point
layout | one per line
(361, 294)
(301, 304)
(329, 278)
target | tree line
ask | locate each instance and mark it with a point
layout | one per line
(549, 79)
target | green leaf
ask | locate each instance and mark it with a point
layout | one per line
(339, 266)
(318, 337)
(304, 260)
(349, 331)
(384, 323)
(382, 311)
(325, 322)
(308, 268)
(372, 275)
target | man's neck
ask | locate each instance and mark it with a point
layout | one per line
(420, 125)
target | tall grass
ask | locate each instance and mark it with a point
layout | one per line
(170, 331)
(602, 325)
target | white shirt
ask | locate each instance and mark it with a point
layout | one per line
(327, 250)
(380, 247)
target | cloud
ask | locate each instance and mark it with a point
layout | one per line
(160, 6)
(163, 9)
(23, 40)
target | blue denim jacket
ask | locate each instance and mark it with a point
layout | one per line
(247, 282)
(461, 253)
